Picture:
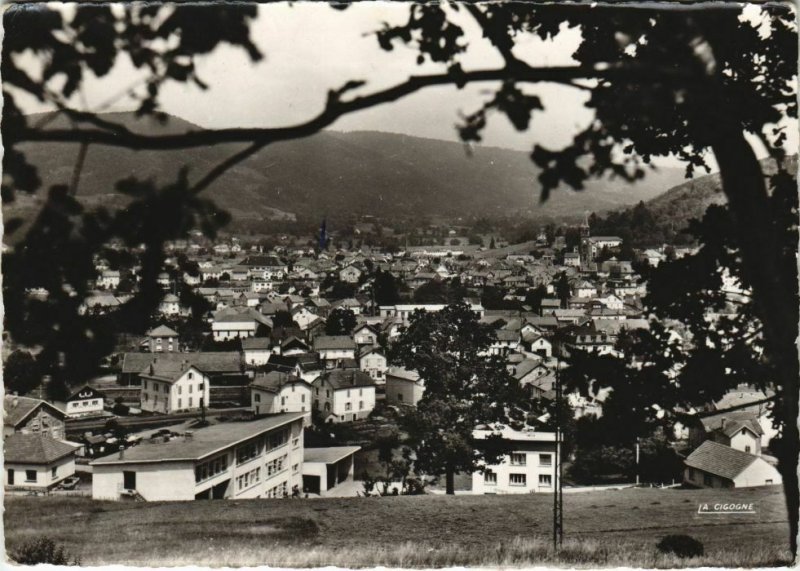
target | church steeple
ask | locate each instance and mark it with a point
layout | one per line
(585, 230)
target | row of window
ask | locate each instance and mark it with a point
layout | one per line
(490, 479)
(32, 476)
(254, 448)
(279, 491)
(248, 479)
(521, 459)
(165, 387)
(349, 405)
(276, 465)
(211, 468)
(84, 403)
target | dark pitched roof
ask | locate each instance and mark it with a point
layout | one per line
(211, 362)
(169, 371)
(34, 449)
(346, 378)
(17, 409)
(262, 261)
(334, 342)
(253, 343)
(720, 460)
(162, 331)
(274, 380)
(730, 423)
(85, 392)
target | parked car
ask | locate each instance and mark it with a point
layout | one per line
(70, 483)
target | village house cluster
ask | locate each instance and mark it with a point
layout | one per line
(295, 335)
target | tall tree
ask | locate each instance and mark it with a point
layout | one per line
(464, 387)
(340, 322)
(385, 288)
(660, 81)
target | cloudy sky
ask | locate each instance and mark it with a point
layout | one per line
(311, 48)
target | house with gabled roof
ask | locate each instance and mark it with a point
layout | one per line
(714, 465)
(161, 339)
(404, 387)
(342, 395)
(170, 386)
(739, 429)
(36, 461)
(372, 360)
(257, 350)
(365, 334)
(222, 367)
(274, 392)
(294, 346)
(334, 348)
(86, 401)
(27, 415)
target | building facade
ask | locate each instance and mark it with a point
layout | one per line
(262, 458)
(530, 467)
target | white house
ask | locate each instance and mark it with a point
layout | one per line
(109, 279)
(262, 458)
(334, 348)
(403, 387)
(256, 350)
(275, 392)
(170, 386)
(714, 465)
(365, 334)
(344, 395)
(404, 311)
(170, 305)
(36, 462)
(540, 345)
(239, 325)
(303, 316)
(350, 274)
(86, 401)
(373, 362)
(529, 467)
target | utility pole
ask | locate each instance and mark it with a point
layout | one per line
(637, 460)
(558, 503)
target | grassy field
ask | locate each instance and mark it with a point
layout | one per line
(608, 528)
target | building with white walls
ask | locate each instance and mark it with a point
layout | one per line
(260, 458)
(529, 467)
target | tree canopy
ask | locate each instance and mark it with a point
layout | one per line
(464, 388)
(682, 81)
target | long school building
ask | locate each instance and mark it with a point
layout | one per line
(236, 460)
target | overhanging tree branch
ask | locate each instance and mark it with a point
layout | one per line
(112, 134)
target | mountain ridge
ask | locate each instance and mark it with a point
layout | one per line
(340, 174)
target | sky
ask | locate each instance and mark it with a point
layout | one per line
(311, 48)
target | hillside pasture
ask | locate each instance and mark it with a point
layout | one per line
(602, 528)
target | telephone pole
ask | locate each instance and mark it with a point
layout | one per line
(558, 503)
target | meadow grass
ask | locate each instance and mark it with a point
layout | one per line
(609, 528)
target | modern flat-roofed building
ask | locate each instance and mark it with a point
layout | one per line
(529, 467)
(260, 458)
(326, 468)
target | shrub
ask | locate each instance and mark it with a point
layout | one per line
(681, 545)
(43, 550)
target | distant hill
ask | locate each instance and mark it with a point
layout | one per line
(663, 218)
(341, 174)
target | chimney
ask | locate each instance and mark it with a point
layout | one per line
(722, 425)
(15, 402)
(121, 452)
